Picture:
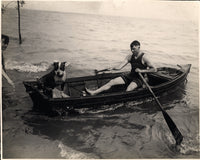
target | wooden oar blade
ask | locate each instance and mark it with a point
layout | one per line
(176, 133)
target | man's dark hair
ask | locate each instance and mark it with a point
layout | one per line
(6, 38)
(135, 43)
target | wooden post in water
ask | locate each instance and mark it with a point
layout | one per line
(19, 30)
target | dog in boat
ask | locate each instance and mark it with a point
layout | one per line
(55, 80)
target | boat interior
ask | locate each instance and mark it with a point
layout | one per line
(77, 88)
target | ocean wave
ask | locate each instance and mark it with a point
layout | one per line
(190, 145)
(27, 67)
(69, 153)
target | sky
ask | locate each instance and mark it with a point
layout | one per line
(174, 10)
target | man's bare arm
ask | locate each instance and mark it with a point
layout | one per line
(122, 65)
(151, 67)
(8, 79)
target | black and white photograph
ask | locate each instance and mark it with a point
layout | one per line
(100, 79)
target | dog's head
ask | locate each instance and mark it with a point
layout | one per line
(59, 68)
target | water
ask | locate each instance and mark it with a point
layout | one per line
(126, 130)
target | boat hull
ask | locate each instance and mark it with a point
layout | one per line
(43, 102)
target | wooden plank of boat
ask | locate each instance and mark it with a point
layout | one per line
(165, 79)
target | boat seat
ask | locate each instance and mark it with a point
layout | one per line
(156, 79)
(162, 76)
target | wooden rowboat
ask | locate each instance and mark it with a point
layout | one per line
(164, 79)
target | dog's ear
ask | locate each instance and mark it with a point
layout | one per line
(67, 64)
(62, 66)
(55, 64)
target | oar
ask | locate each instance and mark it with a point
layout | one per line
(103, 70)
(176, 133)
(96, 72)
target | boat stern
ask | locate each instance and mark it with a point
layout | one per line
(28, 86)
(185, 68)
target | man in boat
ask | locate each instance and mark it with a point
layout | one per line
(139, 63)
(4, 45)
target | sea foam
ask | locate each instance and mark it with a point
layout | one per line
(27, 67)
(69, 153)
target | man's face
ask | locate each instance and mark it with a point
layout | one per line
(135, 49)
(3, 45)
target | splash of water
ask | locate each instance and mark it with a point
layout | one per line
(189, 145)
(27, 67)
(69, 153)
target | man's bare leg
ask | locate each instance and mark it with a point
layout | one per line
(132, 86)
(113, 82)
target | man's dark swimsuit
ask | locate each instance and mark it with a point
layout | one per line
(134, 76)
